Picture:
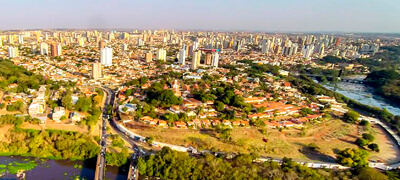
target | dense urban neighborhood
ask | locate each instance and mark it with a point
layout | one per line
(200, 104)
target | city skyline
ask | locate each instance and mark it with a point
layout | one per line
(267, 16)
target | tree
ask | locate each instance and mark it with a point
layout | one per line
(374, 147)
(353, 157)
(67, 100)
(219, 106)
(225, 134)
(361, 142)
(368, 137)
(117, 142)
(368, 173)
(128, 92)
(149, 140)
(142, 166)
(364, 123)
(351, 117)
(305, 111)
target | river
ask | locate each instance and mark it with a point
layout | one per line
(61, 169)
(363, 94)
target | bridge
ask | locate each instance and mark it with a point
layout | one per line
(101, 163)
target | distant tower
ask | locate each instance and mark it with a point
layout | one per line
(12, 52)
(96, 70)
(106, 56)
(21, 39)
(55, 49)
(238, 46)
(111, 36)
(102, 44)
(195, 60)
(161, 54)
(208, 59)
(182, 56)
(124, 47)
(44, 49)
(148, 56)
(337, 43)
(215, 59)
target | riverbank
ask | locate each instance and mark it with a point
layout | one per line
(60, 169)
(363, 94)
(308, 86)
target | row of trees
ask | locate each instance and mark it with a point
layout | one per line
(168, 164)
(366, 140)
(50, 144)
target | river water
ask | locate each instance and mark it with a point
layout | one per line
(363, 94)
(61, 169)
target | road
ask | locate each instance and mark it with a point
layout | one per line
(133, 172)
(101, 162)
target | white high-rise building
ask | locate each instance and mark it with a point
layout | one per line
(12, 52)
(21, 39)
(322, 51)
(195, 60)
(124, 47)
(44, 48)
(182, 55)
(265, 46)
(307, 51)
(106, 56)
(161, 54)
(215, 59)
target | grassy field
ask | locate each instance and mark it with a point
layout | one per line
(328, 136)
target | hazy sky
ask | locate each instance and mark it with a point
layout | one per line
(260, 15)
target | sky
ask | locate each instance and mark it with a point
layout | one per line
(219, 15)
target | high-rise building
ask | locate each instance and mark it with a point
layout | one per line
(12, 52)
(81, 42)
(307, 51)
(140, 42)
(21, 39)
(215, 59)
(321, 51)
(208, 59)
(55, 49)
(337, 43)
(161, 54)
(106, 56)
(124, 47)
(10, 39)
(111, 36)
(102, 44)
(238, 45)
(148, 56)
(44, 48)
(97, 39)
(96, 70)
(265, 46)
(195, 60)
(182, 56)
